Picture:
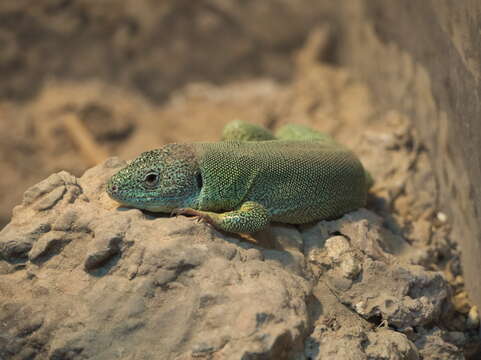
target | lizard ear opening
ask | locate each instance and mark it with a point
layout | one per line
(198, 178)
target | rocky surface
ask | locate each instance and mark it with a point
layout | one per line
(110, 284)
(83, 279)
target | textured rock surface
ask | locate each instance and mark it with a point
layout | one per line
(83, 279)
(369, 280)
(96, 277)
(151, 47)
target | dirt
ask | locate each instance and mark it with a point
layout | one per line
(384, 278)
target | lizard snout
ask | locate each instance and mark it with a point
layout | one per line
(112, 189)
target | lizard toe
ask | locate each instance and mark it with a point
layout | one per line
(183, 211)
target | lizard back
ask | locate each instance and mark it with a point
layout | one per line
(297, 181)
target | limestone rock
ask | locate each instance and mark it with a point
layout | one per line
(82, 278)
(108, 283)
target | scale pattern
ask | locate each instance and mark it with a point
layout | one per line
(250, 217)
(296, 181)
(243, 183)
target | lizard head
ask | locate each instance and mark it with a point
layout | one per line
(158, 180)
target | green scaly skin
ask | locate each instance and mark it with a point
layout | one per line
(248, 180)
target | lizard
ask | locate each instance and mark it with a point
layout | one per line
(248, 179)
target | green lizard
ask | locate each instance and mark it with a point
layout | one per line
(247, 180)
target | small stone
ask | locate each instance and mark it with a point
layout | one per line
(459, 280)
(336, 246)
(388, 344)
(350, 266)
(472, 322)
(114, 163)
(461, 303)
(360, 307)
(442, 217)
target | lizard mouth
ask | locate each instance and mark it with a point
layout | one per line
(126, 197)
(147, 202)
(144, 203)
(130, 200)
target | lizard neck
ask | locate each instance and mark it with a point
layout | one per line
(226, 178)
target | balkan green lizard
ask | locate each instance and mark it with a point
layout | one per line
(248, 179)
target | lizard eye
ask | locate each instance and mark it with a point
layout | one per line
(151, 179)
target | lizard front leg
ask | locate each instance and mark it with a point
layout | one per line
(249, 218)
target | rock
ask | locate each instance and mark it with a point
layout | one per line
(432, 345)
(388, 344)
(472, 322)
(461, 302)
(364, 277)
(338, 248)
(403, 296)
(339, 335)
(110, 279)
(442, 217)
(84, 278)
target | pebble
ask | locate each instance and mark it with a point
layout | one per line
(442, 217)
(472, 322)
(461, 303)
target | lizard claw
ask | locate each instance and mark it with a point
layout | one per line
(183, 211)
(204, 219)
(175, 212)
(199, 217)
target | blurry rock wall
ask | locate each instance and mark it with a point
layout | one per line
(149, 45)
(424, 58)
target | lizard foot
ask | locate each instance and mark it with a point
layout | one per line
(199, 216)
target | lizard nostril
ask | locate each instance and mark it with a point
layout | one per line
(113, 188)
